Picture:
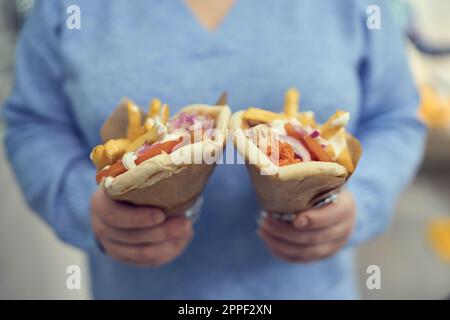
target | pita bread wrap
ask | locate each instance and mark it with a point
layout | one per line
(172, 182)
(293, 187)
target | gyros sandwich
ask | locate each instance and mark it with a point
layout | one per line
(158, 160)
(294, 162)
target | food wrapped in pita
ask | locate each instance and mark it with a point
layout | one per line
(294, 162)
(157, 160)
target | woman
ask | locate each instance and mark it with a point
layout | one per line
(69, 80)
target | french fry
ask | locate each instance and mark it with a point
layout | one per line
(345, 160)
(150, 133)
(149, 137)
(154, 108)
(134, 121)
(149, 124)
(99, 157)
(115, 148)
(291, 102)
(330, 150)
(165, 112)
(256, 115)
(334, 124)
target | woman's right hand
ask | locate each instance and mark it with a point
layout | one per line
(136, 234)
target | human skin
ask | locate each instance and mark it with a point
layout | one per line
(138, 235)
(144, 236)
(314, 234)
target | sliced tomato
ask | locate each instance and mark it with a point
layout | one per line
(317, 152)
(157, 149)
(118, 168)
(113, 170)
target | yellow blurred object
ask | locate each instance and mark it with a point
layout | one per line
(434, 109)
(291, 102)
(439, 237)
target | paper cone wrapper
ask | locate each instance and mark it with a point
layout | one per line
(292, 188)
(172, 182)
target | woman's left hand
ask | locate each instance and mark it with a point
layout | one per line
(314, 234)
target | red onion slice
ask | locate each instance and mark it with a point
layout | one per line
(314, 134)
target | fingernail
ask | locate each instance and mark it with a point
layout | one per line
(262, 216)
(300, 222)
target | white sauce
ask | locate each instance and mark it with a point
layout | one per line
(341, 121)
(308, 114)
(108, 181)
(277, 126)
(172, 136)
(128, 160)
(160, 127)
(150, 122)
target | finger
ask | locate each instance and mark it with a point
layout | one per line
(122, 215)
(180, 246)
(145, 255)
(298, 253)
(343, 209)
(171, 229)
(289, 233)
(319, 218)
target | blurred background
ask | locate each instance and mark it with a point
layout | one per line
(414, 255)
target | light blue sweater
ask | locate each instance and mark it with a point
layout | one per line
(68, 81)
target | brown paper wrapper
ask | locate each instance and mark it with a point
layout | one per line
(173, 195)
(305, 186)
(291, 196)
